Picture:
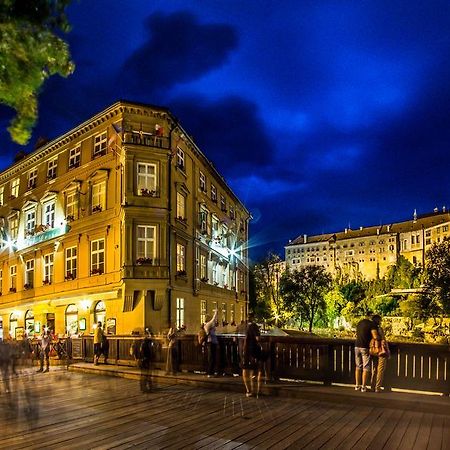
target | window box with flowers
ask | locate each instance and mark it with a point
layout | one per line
(225, 286)
(27, 286)
(143, 261)
(12, 197)
(31, 186)
(46, 282)
(51, 177)
(96, 271)
(29, 233)
(70, 218)
(74, 164)
(97, 208)
(70, 276)
(181, 273)
(12, 289)
(41, 228)
(204, 279)
(216, 283)
(148, 192)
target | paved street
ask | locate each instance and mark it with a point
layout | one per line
(73, 410)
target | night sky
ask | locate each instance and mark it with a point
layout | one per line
(319, 114)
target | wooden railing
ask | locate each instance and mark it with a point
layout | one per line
(422, 367)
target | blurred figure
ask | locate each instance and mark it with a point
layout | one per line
(5, 364)
(105, 346)
(98, 340)
(145, 360)
(211, 343)
(172, 351)
(45, 341)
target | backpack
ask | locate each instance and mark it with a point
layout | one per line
(202, 337)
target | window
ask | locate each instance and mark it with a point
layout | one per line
(232, 215)
(100, 144)
(48, 268)
(213, 193)
(223, 203)
(12, 325)
(29, 274)
(202, 182)
(48, 218)
(203, 220)
(444, 228)
(13, 278)
(180, 158)
(2, 195)
(1, 280)
(100, 312)
(180, 312)
(30, 221)
(202, 311)
(51, 168)
(215, 274)
(203, 271)
(146, 243)
(224, 313)
(74, 157)
(97, 257)
(71, 263)
(15, 184)
(224, 236)
(13, 227)
(181, 258)
(72, 205)
(99, 196)
(32, 179)
(215, 227)
(29, 323)
(71, 320)
(181, 206)
(232, 315)
(146, 179)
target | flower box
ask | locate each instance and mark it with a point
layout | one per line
(70, 218)
(27, 286)
(13, 289)
(96, 271)
(31, 186)
(74, 164)
(142, 261)
(148, 192)
(204, 279)
(97, 208)
(70, 276)
(46, 282)
(181, 273)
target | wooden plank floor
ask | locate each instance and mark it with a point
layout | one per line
(69, 410)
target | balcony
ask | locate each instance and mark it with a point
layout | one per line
(146, 139)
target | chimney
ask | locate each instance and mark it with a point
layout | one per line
(378, 231)
(388, 228)
(305, 237)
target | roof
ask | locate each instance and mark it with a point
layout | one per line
(421, 222)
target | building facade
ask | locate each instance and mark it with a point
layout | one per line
(367, 253)
(124, 220)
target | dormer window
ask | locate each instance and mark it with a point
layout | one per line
(100, 145)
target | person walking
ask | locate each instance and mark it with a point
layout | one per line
(172, 351)
(145, 359)
(211, 343)
(365, 331)
(380, 357)
(98, 340)
(45, 341)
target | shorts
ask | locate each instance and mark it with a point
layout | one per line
(362, 358)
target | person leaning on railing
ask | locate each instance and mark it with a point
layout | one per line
(380, 354)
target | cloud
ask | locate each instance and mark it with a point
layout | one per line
(179, 49)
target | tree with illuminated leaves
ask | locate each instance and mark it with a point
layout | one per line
(268, 303)
(30, 52)
(304, 291)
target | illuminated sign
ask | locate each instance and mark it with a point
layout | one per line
(43, 236)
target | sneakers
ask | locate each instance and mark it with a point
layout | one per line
(363, 389)
(357, 388)
(40, 370)
(46, 370)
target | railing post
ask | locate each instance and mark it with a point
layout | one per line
(329, 364)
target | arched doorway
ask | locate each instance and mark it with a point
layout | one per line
(71, 319)
(29, 323)
(12, 325)
(100, 312)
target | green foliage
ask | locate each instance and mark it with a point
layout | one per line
(30, 52)
(403, 275)
(304, 292)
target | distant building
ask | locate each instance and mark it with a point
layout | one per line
(369, 251)
(124, 220)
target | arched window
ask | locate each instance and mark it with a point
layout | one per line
(71, 320)
(12, 325)
(29, 323)
(100, 312)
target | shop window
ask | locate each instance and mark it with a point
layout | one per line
(71, 319)
(100, 312)
(29, 323)
(12, 325)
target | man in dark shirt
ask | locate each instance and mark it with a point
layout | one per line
(365, 331)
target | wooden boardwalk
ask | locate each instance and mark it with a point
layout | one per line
(69, 410)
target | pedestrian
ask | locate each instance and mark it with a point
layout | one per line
(380, 355)
(172, 351)
(45, 341)
(145, 359)
(253, 358)
(105, 346)
(98, 339)
(211, 343)
(365, 331)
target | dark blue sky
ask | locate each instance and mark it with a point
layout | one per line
(320, 114)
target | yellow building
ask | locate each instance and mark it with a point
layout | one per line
(368, 252)
(123, 220)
